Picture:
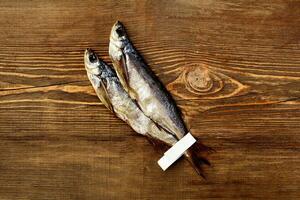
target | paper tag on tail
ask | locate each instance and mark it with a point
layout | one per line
(176, 151)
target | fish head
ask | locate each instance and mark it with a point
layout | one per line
(97, 69)
(118, 35)
(93, 67)
(92, 62)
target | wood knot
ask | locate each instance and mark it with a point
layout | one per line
(200, 81)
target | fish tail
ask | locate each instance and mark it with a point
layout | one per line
(196, 161)
(199, 147)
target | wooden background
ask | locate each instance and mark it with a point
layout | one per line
(233, 68)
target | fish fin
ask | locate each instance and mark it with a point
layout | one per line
(125, 69)
(197, 162)
(122, 72)
(196, 156)
(125, 78)
(104, 97)
(193, 158)
(199, 147)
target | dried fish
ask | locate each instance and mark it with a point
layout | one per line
(110, 91)
(142, 85)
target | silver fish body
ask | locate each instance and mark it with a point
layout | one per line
(111, 92)
(109, 89)
(142, 85)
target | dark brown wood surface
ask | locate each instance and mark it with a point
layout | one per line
(233, 67)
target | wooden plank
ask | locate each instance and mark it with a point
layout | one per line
(233, 68)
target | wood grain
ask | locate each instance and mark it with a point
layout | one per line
(232, 66)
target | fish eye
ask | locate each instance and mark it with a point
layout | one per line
(92, 58)
(120, 31)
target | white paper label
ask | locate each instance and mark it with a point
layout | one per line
(176, 151)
